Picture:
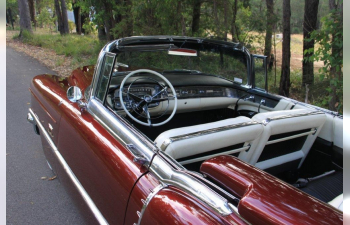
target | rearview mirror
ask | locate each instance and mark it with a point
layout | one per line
(182, 51)
(74, 94)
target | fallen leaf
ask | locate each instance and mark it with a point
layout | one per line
(28, 103)
(43, 178)
(52, 178)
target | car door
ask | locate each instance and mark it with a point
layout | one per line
(100, 162)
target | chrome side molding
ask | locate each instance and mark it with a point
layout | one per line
(98, 215)
(147, 201)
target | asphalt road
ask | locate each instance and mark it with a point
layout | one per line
(29, 199)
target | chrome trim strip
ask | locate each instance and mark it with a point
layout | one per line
(210, 156)
(98, 215)
(190, 185)
(268, 120)
(148, 200)
(309, 106)
(290, 137)
(124, 134)
(170, 140)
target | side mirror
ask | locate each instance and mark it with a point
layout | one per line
(74, 94)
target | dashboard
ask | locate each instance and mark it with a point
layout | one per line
(188, 92)
(195, 92)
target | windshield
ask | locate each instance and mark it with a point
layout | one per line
(210, 59)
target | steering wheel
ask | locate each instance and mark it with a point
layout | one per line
(141, 103)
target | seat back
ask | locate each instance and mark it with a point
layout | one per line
(237, 136)
(287, 138)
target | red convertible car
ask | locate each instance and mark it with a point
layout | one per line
(180, 130)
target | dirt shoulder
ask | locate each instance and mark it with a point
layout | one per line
(58, 63)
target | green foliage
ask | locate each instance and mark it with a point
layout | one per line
(71, 26)
(13, 6)
(44, 19)
(89, 27)
(330, 51)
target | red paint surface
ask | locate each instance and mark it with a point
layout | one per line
(172, 206)
(266, 199)
(102, 165)
(81, 77)
(141, 190)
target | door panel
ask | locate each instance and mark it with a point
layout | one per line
(101, 164)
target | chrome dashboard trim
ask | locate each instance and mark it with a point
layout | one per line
(170, 140)
(98, 215)
(148, 200)
(268, 120)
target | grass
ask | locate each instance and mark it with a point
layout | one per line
(84, 50)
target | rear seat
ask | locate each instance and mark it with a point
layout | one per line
(287, 138)
(238, 136)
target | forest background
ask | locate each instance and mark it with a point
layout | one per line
(303, 40)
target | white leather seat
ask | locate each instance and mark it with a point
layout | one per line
(226, 137)
(287, 138)
(337, 202)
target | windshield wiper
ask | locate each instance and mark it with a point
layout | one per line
(183, 71)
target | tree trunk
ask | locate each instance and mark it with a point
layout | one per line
(310, 21)
(77, 18)
(59, 17)
(24, 16)
(285, 73)
(216, 19)
(102, 36)
(32, 11)
(83, 17)
(196, 16)
(181, 18)
(233, 24)
(269, 26)
(64, 17)
(225, 22)
(129, 23)
(9, 11)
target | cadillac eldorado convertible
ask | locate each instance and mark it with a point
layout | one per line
(180, 130)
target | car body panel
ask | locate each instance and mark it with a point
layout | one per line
(87, 147)
(172, 206)
(266, 199)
